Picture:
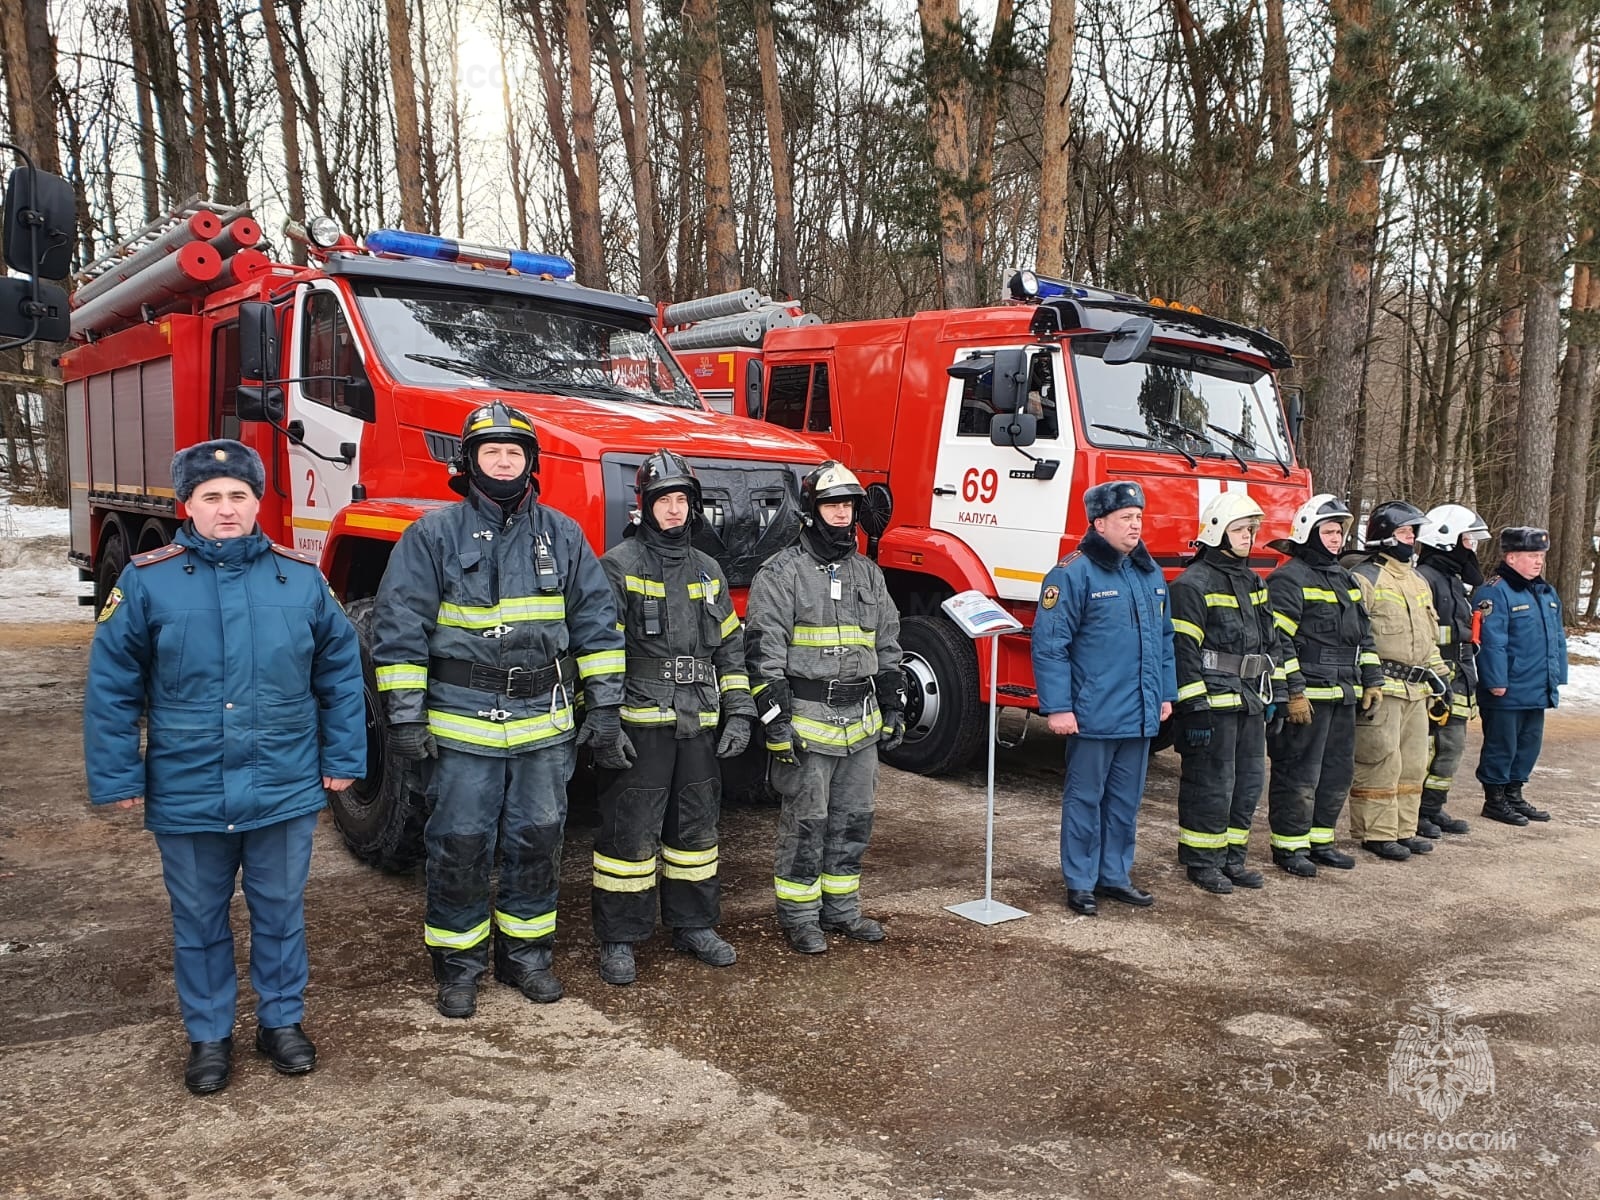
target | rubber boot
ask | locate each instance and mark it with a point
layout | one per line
(525, 965)
(1496, 808)
(857, 929)
(457, 973)
(1516, 803)
(706, 945)
(1295, 862)
(807, 939)
(1210, 879)
(1327, 856)
(1393, 851)
(616, 963)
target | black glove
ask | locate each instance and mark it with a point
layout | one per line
(781, 743)
(772, 701)
(602, 729)
(411, 739)
(890, 686)
(1194, 729)
(735, 735)
(894, 730)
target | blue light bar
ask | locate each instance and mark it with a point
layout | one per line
(422, 245)
(1049, 287)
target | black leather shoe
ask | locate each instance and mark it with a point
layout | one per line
(1417, 845)
(1125, 895)
(1296, 863)
(1426, 828)
(1327, 856)
(1211, 879)
(1082, 902)
(209, 1064)
(1449, 824)
(1244, 877)
(288, 1047)
(1393, 851)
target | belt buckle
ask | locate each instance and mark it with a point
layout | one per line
(828, 696)
(683, 669)
(513, 682)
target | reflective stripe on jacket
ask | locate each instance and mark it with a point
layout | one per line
(464, 582)
(1405, 626)
(1220, 604)
(1318, 608)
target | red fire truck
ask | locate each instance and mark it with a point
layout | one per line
(977, 430)
(352, 377)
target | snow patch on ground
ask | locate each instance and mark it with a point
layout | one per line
(1583, 672)
(37, 583)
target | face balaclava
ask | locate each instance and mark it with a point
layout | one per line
(669, 543)
(1313, 551)
(1466, 561)
(1400, 551)
(507, 493)
(829, 543)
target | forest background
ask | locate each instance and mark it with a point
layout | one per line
(1406, 193)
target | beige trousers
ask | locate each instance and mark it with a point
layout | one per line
(1391, 763)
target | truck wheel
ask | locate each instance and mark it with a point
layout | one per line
(946, 721)
(382, 815)
(113, 557)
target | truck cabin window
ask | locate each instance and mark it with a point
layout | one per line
(798, 397)
(1187, 398)
(454, 338)
(977, 406)
(330, 349)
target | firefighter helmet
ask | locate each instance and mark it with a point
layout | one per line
(1223, 510)
(1390, 516)
(663, 472)
(1446, 524)
(497, 422)
(828, 484)
(1322, 507)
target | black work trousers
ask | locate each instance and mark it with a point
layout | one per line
(1312, 766)
(1219, 788)
(658, 815)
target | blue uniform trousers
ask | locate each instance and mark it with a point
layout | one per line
(1512, 738)
(518, 804)
(200, 869)
(1100, 809)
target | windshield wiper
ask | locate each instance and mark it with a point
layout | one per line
(1152, 439)
(462, 366)
(1244, 467)
(1238, 439)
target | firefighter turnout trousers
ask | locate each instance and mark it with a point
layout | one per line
(1445, 746)
(1312, 766)
(823, 831)
(1391, 763)
(669, 799)
(479, 802)
(1218, 790)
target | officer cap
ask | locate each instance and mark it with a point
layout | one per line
(1103, 499)
(223, 458)
(1523, 537)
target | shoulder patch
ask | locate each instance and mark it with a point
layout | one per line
(114, 599)
(160, 554)
(304, 556)
(1050, 596)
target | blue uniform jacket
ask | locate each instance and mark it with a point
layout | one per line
(1523, 646)
(248, 675)
(1102, 641)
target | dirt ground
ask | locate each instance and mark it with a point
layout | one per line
(1233, 1046)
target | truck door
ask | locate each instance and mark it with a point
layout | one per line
(324, 351)
(995, 498)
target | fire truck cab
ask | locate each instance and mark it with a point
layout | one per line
(352, 377)
(977, 430)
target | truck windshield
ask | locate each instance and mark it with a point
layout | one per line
(445, 337)
(1207, 403)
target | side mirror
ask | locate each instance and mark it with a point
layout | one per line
(1013, 429)
(1131, 339)
(1010, 381)
(19, 310)
(752, 390)
(259, 403)
(39, 218)
(357, 393)
(1294, 403)
(258, 345)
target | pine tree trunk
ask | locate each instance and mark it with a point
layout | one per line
(944, 64)
(519, 185)
(1055, 167)
(982, 189)
(590, 253)
(294, 172)
(166, 90)
(408, 144)
(635, 143)
(432, 200)
(778, 152)
(705, 51)
(197, 78)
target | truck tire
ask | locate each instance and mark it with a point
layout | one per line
(113, 557)
(946, 721)
(382, 815)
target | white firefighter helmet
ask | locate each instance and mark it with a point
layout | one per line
(1446, 524)
(1223, 510)
(1324, 506)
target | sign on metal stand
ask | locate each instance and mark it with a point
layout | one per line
(980, 617)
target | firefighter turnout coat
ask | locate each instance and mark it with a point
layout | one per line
(468, 586)
(1319, 610)
(1231, 656)
(1457, 645)
(1405, 625)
